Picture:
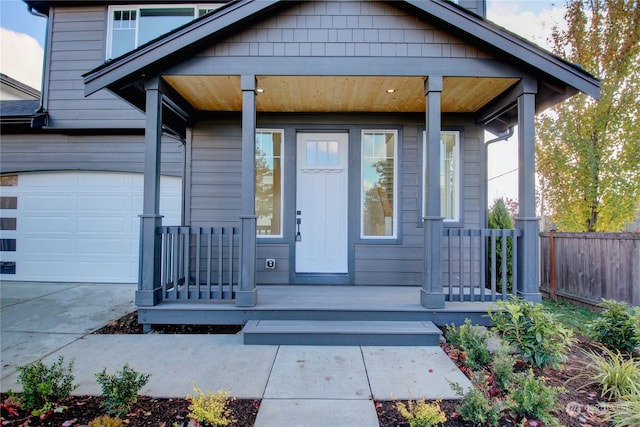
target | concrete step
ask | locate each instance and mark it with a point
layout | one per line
(335, 332)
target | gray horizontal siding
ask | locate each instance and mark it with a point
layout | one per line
(216, 178)
(77, 46)
(216, 186)
(279, 252)
(116, 153)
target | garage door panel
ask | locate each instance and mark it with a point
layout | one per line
(60, 204)
(104, 225)
(82, 226)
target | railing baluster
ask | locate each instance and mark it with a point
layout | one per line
(514, 262)
(198, 254)
(174, 262)
(220, 262)
(503, 262)
(231, 245)
(209, 231)
(472, 290)
(493, 265)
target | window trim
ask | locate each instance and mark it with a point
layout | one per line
(458, 176)
(282, 175)
(137, 7)
(395, 216)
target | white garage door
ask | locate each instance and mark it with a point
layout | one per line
(78, 226)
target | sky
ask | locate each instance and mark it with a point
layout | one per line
(22, 40)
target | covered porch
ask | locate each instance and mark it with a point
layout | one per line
(437, 62)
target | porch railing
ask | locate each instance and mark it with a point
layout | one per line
(199, 263)
(480, 264)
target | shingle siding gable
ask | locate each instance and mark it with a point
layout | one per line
(339, 29)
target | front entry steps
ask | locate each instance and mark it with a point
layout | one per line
(347, 333)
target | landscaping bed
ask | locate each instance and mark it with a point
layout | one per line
(578, 405)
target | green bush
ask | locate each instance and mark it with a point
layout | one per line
(500, 219)
(121, 390)
(617, 376)
(544, 341)
(472, 340)
(531, 398)
(617, 327)
(210, 408)
(475, 406)
(43, 387)
(502, 367)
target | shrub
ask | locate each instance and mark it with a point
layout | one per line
(121, 390)
(625, 412)
(421, 413)
(617, 327)
(499, 218)
(472, 340)
(106, 421)
(210, 408)
(45, 386)
(618, 376)
(502, 367)
(531, 398)
(476, 407)
(544, 341)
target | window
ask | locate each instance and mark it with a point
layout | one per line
(133, 26)
(378, 214)
(269, 156)
(449, 175)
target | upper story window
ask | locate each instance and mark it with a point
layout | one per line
(132, 26)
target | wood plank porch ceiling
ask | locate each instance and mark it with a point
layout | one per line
(319, 94)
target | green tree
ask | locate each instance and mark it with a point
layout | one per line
(500, 219)
(588, 151)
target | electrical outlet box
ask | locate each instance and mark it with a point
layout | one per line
(270, 264)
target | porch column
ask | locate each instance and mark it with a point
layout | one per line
(149, 290)
(431, 295)
(528, 246)
(247, 294)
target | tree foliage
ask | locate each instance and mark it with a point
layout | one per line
(588, 151)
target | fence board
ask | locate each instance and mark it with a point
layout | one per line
(590, 267)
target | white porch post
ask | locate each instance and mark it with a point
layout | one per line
(247, 294)
(431, 295)
(149, 290)
(528, 245)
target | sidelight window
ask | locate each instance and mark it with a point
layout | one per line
(269, 162)
(379, 184)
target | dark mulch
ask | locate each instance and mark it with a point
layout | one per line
(80, 410)
(576, 408)
(128, 324)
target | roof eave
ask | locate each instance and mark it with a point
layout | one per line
(183, 40)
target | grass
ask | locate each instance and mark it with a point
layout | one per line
(571, 316)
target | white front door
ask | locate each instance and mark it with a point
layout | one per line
(321, 203)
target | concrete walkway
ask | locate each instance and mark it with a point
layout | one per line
(299, 385)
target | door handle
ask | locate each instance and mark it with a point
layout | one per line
(298, 222)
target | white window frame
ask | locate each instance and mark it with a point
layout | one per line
(458, 171)
(126, 7)
(395, 184)
(282, 174)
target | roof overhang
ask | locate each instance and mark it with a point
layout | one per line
(557, 79)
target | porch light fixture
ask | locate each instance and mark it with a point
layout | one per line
(391, 90)
(259, 90)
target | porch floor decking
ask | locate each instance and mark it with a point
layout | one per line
(313, 302)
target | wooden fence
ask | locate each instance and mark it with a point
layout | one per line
(587, 267)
